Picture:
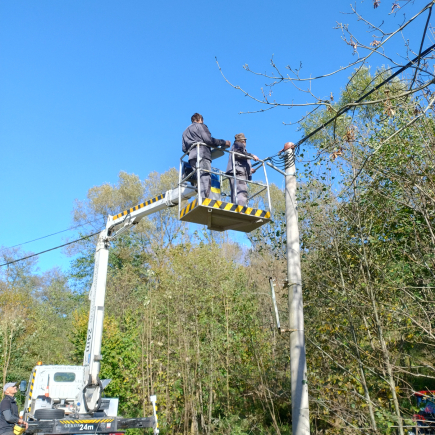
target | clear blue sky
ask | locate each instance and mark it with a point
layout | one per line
(89, 88)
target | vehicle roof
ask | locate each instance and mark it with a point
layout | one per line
(424, 393)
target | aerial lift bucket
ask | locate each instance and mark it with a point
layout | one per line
(216, 213)
(222, 216)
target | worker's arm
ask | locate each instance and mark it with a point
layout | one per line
(209, 140)
(10, 418)
(5, 409)
(241, 149)
(7, 414)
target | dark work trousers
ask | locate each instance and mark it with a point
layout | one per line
(205, 176)
(241, 185)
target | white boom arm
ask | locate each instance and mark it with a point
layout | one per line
(115, 225)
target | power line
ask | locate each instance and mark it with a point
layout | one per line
(49, 235)
(48, 250)
(341, 112)
(281, 162)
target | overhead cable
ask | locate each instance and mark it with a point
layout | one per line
(281, 160)
(348, 107)
(48, 250)
(49, 235)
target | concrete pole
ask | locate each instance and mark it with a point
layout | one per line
(298, 363)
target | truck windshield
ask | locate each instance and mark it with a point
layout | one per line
(64, 377)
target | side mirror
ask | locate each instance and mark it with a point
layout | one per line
(23, 386)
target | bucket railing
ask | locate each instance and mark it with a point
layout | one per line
(197, 171)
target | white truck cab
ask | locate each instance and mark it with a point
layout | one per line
(54, 387)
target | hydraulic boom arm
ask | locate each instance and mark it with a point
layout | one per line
(115, 226)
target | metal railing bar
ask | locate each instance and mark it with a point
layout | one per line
(259, 183)
(198, 159)
(190, 175)
(255, 194)
(222, 149)
(223, 175)
(179, 187)
(276, 169)
(268, 188)
(234, 178)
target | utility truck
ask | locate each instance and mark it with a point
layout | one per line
(62, 399)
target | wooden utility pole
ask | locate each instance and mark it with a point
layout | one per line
(298, 362)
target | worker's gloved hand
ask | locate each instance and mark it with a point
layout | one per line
(21, 422)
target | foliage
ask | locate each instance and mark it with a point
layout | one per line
(188, 314)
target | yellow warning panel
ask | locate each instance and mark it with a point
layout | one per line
(222, 216)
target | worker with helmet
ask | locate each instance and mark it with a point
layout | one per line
(243, 169)
(9, 410)
(199, 132)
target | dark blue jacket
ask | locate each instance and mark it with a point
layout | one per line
(197, 132)
(8, 414)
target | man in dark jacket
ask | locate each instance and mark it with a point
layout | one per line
(243, 169)
(9, 410)
(199, 132)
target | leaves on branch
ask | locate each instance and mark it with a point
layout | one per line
(395, 7)
(350, 135)
(337, 153)
(388, 107)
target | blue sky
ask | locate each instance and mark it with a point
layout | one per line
(89, 88)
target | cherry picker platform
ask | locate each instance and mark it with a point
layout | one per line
(215, 212)
(222, 216)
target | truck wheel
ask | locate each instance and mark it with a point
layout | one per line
(49, 414)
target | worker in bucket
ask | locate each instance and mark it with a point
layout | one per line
(243, 169)
(199, 132)
(9, 410)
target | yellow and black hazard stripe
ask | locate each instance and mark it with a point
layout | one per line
(189, 207)
(227, 206)
(32, 385)
(100, 420)
(137, 207)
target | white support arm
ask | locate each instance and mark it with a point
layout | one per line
(92, 355)
(133, 215)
